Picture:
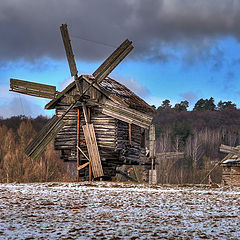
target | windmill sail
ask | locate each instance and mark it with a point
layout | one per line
(113, 60)
(33, 89)
(68, 49)
(127, 115)
(47, 133)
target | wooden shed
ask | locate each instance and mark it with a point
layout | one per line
(120, 119)
(231, 170)
(231, 165)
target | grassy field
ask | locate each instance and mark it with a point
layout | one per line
(104, 210)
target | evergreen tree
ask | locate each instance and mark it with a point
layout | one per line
(182, 106)
(226, 105)
(203, 105)
(165, 105)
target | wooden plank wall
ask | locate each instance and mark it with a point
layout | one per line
(105, 129)
(231, 176)
(112, 138)
(132, 153)
(93, 151)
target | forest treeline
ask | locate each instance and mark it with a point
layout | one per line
(15, 166)
(197, 133)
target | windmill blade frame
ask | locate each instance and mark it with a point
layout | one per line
(68, 49)
(33, 89)
(48, 132)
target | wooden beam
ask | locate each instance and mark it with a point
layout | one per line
(48, 132)
(51, 104)
(78, 139)
(111, 96)
(152, 150)
(126, 114)
(83, 153)
(113, 60)
(33, 89)
(82, 166)
(229, 149)
(89, 134)
(68, 49)
(92, 147)
(129, 134)
(170, 155)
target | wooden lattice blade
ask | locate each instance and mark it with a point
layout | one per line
(32, 88)
(93, 152)
(126, 114)
(113, 60)
(68, 49)
(47, 133)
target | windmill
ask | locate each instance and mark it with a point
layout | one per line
(80, 98)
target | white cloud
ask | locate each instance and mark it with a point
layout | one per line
(19, 104)
(133, 85)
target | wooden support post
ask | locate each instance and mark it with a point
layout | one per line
(90, 137)
(89, 167)
(89, 114)
(152, 149)
(83, 166)
(129, 133)
(83, 153)
(90, 171)
(78, 131)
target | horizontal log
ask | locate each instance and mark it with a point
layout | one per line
(170, 155)
(229, 149)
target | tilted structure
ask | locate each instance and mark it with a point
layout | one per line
(231, 165)
(98, 123)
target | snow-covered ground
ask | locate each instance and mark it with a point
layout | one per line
(102, 210)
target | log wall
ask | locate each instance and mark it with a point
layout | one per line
(112, 137)
(231, 176)
(130, 152)
(105, 130)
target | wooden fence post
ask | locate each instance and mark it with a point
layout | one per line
(152, 153)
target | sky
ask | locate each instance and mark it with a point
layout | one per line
(183, 49)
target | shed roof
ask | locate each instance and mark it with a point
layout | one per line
(110, 87)
(231, 159)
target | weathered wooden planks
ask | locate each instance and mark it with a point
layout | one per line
(229, 149)
(68, 49)
(39, 143)
(113, 60)
(33, 89)
(127, 115)
(82, 166)
(93, 150)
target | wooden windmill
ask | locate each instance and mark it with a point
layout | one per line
(85, 91)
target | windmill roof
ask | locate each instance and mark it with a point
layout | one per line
(112, 88)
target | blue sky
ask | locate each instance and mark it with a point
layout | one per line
(179, 54)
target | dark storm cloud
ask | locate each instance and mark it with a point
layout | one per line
(30, 29)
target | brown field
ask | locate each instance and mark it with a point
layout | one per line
(102, 210)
